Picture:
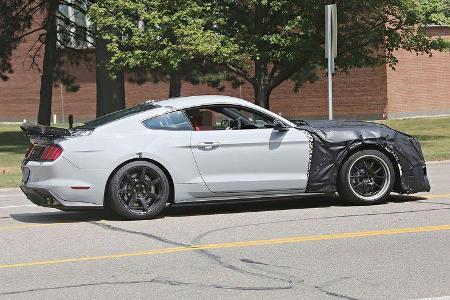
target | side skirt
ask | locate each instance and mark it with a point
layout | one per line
(247, 196)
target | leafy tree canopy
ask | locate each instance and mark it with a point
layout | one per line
(158, 33)
(15, 20)
(284, 39)
(265, 42)
(435, 11)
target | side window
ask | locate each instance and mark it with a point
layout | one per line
(252, 119)
(208, 118)
(223, 117)
(171, 121)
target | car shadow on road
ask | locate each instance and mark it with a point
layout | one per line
(61, 217)
(301, 202)
(186, 210)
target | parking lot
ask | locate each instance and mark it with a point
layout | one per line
(311, 247)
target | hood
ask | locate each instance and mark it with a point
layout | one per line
(334, 124)
(344, 130)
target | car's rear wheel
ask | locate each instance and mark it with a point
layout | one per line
(138, 190)
(367, 177)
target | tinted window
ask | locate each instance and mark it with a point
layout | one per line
(118, 115)
(223, 117)
(171, 121)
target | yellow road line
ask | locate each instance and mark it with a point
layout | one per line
(240, 244)
(434, 196)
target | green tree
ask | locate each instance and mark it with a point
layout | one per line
(283, 40)
(167, 38)
(61, 41)
(38, 20)
(16, 17)
(15, 21)
(435, 12)
(77, 35)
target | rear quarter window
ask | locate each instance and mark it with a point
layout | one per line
(170, 121)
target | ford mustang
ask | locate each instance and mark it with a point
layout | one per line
(138, 160)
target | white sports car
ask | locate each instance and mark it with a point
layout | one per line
(208, 148)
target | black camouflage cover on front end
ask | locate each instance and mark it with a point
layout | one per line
(333, 141)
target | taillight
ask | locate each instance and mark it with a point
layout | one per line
(51, 153)
(27, 154)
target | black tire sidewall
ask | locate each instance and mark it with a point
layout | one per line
(116, 205)
(344, 190)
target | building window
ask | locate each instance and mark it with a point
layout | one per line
(74, 27)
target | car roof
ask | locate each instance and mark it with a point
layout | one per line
(163, 106)
(192, 101)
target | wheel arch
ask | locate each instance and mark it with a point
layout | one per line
(169, 177)
(380, 148)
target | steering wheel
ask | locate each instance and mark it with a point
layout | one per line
(235, 124)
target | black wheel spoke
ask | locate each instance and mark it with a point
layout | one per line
(131, 180)
(365, 164)
(132, 201)
(361, 182)
(153, 196)
(154, 181)
(142, 177)
(143, 201)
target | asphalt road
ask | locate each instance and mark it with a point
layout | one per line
(306, 248)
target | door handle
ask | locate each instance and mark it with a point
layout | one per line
(208, 145)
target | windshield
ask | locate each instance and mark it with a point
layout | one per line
(117, 115)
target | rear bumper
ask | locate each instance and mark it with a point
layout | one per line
(63, 181)
(41, 197)
(45, 198)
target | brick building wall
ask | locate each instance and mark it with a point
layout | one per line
(420, 85)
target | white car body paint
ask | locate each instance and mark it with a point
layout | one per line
(251, 160)
(246, 163)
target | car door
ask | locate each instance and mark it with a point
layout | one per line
(254, 157)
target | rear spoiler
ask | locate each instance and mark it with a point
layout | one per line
(43, 133)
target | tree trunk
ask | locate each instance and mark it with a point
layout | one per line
(110, 92)
(261, 84)
(119, 91)
(48, 68)
(175, 84)
(262, 95)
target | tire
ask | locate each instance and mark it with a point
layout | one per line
(138, 190)
(366, 177)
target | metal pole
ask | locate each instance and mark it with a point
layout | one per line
(330, 64)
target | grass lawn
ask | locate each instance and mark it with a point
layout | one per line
(13, 145)
(433, 134)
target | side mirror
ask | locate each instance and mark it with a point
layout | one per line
(279, 126)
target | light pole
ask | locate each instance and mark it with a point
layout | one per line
(330, 50)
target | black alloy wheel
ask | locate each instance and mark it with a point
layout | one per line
(367, 177)
(139, 190)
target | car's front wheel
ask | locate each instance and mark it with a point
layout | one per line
(367, 177)
(138, 190)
